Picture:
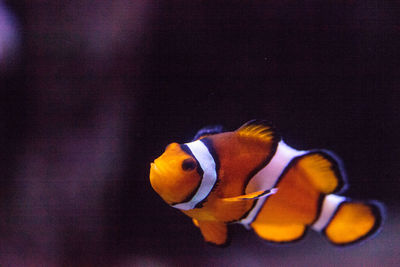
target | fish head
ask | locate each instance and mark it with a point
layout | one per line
(174, 175)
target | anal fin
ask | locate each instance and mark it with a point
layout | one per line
(282, 233)
(214, 232)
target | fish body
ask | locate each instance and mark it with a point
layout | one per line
(251, 177)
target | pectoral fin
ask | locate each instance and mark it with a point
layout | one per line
(251, 196)
(215, 233)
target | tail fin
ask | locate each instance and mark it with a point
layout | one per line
(346, 222)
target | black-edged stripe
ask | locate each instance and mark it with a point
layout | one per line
(209, 145)
(320, 203)
(284, 172)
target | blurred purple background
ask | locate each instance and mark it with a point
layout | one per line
(92, 91)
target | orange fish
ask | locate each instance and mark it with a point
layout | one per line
(251, 177)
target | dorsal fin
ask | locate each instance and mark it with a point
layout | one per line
(208, 130)
(259, 129)
(243, 153)
(323, 169)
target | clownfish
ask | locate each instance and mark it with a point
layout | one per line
(251, 177)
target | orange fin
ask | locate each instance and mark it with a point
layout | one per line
(251, 196)
(353, 222)
(215, 233)
(258, 129)
(322, 170)
(280, 233)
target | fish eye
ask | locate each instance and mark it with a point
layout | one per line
(188, 164)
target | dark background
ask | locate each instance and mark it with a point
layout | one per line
(95, 90)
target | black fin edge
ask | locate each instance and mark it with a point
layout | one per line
(377, 209)
(267, 192)
(320, 203)
(224, 245)
(209, 130)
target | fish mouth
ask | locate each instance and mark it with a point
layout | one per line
(157, 171)
(160, 167)
(155, 168)
(158, 180)
(154, 172)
